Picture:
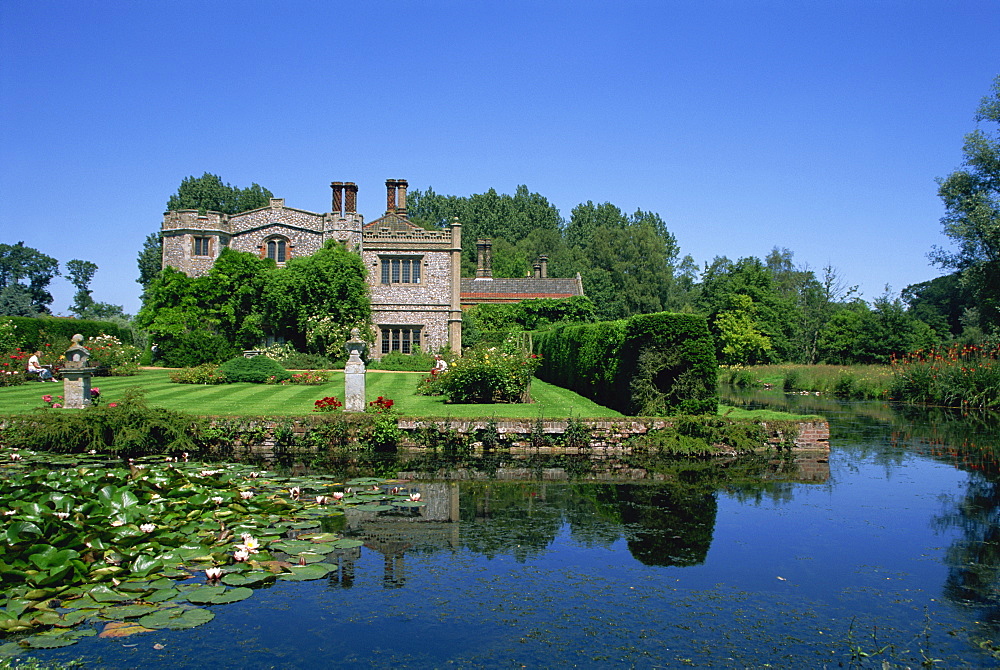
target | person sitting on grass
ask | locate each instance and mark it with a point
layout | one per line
(35, 368)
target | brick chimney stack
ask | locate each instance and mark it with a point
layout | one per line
(401, 197)
(537, 267)
(390, 196)
(544, 261)
(351, 198)
(484, 259)
(338, 197)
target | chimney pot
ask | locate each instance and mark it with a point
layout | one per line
(351, 197)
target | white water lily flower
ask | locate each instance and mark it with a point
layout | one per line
(241, 555)
(9, 512)
(322, 500)
(15, 456)
(246, 495)
(338, 495)
(414, 497)
(147, 527)
(217, 500)
(295, 492)
(213, 573)
(251, 544)
(62, 515)
(117, 522)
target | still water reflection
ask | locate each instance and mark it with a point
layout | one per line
(891, 544)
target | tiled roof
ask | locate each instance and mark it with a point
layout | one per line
(523, 288)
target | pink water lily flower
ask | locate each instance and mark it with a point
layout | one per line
(213, 573)
(338, 495)
(246, 495)
(241, 555)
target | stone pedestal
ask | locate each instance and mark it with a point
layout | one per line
(354, 374)
(76, 376)
(76, 387)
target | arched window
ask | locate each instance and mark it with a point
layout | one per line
(277, 249)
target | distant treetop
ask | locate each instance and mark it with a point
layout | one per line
(208, 192)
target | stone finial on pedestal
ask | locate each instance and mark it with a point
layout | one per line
(76, 375)
(354, 374)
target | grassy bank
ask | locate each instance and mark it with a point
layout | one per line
(859, 382)
(236, 400)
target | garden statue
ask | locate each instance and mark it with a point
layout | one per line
(354, 374)
(76, 375)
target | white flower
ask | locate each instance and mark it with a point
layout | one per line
(246, 495)
(251, 544)
(117, 522)
(213, 573)
(217, 500)
(62, 515)
(322, 500)
(414, 497)
(338, 495)
(15, 456)
(147, 527)
(241, 555)
(295, 492)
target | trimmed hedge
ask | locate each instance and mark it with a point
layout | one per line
(256, 370)
(34, 332)
(647, 365)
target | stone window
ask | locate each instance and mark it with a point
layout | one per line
(403, 339)
(277, 249)
(401, 269)
(201, 246)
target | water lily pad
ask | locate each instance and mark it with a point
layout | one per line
(47, 642)
(247, 578)
(373, 508)
(319, 537)
(347, 544)
(366, 481)
(301, 573)
(205, 594)
(310, 557)
(233, 595)
(123, 629)
(127, 611)
(103, 594)
(408, 503)
(177, 618)
(162, 595)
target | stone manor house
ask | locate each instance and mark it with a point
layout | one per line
(414, 275)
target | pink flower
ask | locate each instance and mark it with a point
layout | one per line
(57, 406)
(147, 527)
(47, 398)
(246, 495)
(212, 574)
(241, 555)
(338, 495)
(112, 404)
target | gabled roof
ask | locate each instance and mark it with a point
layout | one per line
(394, 222)
(475, 291)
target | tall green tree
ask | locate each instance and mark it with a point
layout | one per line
(25, 274)
(209, 192)
(315, 300)
(971, 197)
(150, 259)
(80, 274)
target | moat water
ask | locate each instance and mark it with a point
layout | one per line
(889, 547)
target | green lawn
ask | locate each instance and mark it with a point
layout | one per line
(263, 400)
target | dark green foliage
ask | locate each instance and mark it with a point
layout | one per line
(707, 435)
(37, 332)
(208, 192)
(150, 259)
(649, 364)
(418, 361)
(971, 197)
(535, 314)
(25, 274)
(256, 370)
(129, 429)
(193, 348)
(300, 361)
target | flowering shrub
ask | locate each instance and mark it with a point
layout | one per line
(309, 378)
(486, 375)
(328, 404)
(206, 373)
(13, 368)
(53, 403)
(380, 406)
(107, 351)
(958, 376)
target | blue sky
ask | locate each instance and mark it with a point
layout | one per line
(816, 126)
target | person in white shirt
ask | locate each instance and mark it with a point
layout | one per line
(440, 365)
(35, 368)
